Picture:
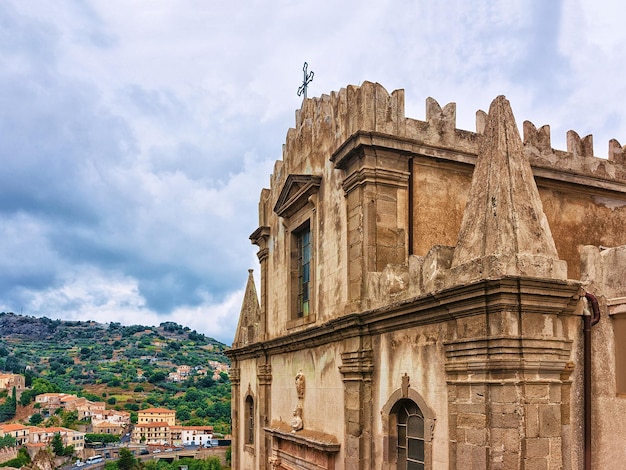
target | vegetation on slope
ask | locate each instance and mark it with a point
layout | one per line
(125, 366)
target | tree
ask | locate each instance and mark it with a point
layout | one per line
(35, 419)
(101, 437)
(127, 460)
(7, 441)
(7, 409)
(57, 444)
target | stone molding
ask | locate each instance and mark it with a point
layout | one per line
(528, 295)
(260, 236)
(411, 394)
(314, 440)
(508, 354)
(357, 365)
(264, 374)
(296, 193)
(235, 376)
(544, 170)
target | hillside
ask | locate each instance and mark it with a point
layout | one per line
(129, 367)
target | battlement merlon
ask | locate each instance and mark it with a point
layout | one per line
(327, 125)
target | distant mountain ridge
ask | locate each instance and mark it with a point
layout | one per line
(38, 343)
(27, 327)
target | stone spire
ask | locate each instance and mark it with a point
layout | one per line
(250, 315)
(504, 230)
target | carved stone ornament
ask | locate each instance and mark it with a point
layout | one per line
(406, 383)
(296, 421)
(300, 384)
(274, 462)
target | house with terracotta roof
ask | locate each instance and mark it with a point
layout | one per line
(18, 431)
(155, 415)
(154, 433)
(70, 437)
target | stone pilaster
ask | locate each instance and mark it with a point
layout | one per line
(235, 380)
(357, 368)
(264, 381)
(508, 377)
(260, 238)
(376, 187)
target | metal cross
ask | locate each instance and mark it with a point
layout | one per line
(308, 78)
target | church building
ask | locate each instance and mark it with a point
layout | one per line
(431, 297)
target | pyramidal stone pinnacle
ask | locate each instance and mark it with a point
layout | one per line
(249, 316)
(504, 231)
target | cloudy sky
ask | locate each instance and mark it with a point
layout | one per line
(135, 135)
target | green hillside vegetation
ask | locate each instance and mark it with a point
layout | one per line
(125, 366)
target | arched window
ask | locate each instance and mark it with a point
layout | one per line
(409, 422)
(249, 424)
(408, 426)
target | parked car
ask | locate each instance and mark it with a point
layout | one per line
(156, 451)
(144, 452)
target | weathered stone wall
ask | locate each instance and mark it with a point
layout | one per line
(8, 453)
(419, 353)
(322, 401)
(584, 197)
(487, 342)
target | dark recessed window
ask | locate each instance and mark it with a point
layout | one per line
(249, 420)
(410, 429)
(303, 250)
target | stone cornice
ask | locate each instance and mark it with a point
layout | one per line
(260, 235)
(398, 144)
(527, 295)
(546, 174)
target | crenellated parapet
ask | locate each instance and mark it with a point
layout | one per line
(579, 156)
(325, 123)
(617, 153)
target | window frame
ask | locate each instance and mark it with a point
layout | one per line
(303, 258)
(249, 422)
(390, 427)
(404, 411)
(296, 205)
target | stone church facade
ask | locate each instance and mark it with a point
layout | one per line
(433, 298)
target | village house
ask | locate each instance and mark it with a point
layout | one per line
(152, 433)
(112, 416)
(70, 437)
(153, 415)
(154, 426)
(106, 427)
(50, 401)
(196, 435)
(432, 297)
(8, 381)
(19, 431)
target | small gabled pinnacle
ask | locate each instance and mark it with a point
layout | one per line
(250, 315)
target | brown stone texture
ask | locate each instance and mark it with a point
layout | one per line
(447, 269)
